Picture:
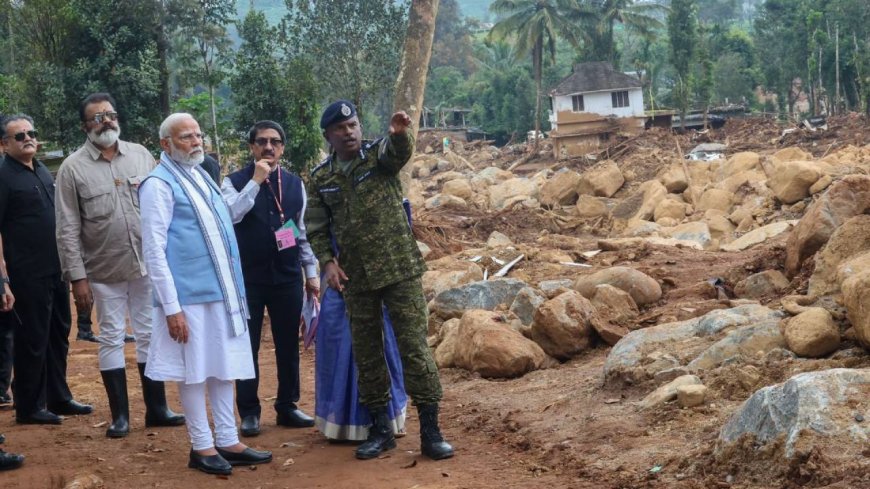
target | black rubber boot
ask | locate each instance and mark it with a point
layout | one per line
(115, 381)
(157, 413)
(380, 437)
(432, 443)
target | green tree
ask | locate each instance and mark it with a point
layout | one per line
(202, 46)
(604, 15)
(534, 26)
(452, 45)
(683, 32)
(354, 47)
(265, 88)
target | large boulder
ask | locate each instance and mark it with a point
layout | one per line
(739, 162)
(848, 240)
(561, 189)
(792, 153)
(502, 193)
(448, 273)
(563, 325)
(486, 295)
(602, 181)
(642, 203)
(445, 353)
(615, 306)
(761, 284)
(791, 180)
(715, 198)
(590, 207)
(671, 208)
(486, 344)
(757, 236)
(696, 231)
(812, 333)
(843, 200)
(643, 353)
(526, 303)
(745, 342)
(856, 298)
(810, 410)
(642, 288)
(674, 178)
(457, 188)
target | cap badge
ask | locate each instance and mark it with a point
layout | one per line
(345, 110)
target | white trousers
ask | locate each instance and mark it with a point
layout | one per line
(114, 302)
(220, 394)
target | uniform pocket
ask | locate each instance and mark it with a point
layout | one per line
(98, 202)
(134, 183)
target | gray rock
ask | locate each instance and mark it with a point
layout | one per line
(739, 344)
(804, 410)
(550, 288)
(526, 303)
(486, 295)
(631, 359)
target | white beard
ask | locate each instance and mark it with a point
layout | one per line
(106, 139)
(191, 159)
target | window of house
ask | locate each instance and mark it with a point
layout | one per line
(620, 99)
(577, 101)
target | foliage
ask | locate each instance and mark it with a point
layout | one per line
(354, 48)
(264, 88)
(603, 16)
(683, 32)
(452, 43)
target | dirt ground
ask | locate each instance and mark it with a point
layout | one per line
(554, 428)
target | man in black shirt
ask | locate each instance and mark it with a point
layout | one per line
(27, 225)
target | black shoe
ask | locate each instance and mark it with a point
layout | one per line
(115, 381)
(43, 416)
(71, 408)
(9, 461)
(210, 464)
(157, 412)
(2, 439)
(432, 443)
(128, 338)
(250, 425)
(86, 336)
(295, 419)
(380, 437)
(248, 456)
(5, 399)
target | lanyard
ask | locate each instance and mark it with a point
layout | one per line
(278, 198)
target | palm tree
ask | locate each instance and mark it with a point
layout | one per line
(534, 25)
(640, 18)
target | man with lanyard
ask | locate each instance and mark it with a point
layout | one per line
(267, 203)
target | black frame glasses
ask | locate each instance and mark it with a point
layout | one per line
(262, 142)
(101, 117)
(19, 136)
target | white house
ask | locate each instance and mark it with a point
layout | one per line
(592, 103)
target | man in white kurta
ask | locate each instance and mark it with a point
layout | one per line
(199, 336)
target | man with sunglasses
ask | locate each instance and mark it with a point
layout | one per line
(42, 309)
(99, 239)
(267, 204)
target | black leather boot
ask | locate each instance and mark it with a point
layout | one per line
(432, 444)
(157, 413)
(115, 381)
(380, 437)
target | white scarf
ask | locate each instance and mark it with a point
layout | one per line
(209, 223)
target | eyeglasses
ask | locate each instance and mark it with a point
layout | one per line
(262, 142)
(189, 137)
(101, 117)
(19, 136)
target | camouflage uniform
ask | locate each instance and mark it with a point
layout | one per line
(360, 206)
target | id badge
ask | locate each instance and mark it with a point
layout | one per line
(285, 238)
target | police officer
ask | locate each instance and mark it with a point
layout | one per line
(355, 198)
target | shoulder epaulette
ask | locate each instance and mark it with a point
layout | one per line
(320, 165)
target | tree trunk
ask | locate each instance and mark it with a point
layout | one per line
(411, 82)
(217, 146)
(162, 57)
(538, 61)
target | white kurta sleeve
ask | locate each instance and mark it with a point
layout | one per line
(239, 203)
(155, 206)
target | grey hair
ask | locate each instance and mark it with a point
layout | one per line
(169, 122)
(12, 118)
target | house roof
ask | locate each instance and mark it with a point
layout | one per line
(595, 77)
